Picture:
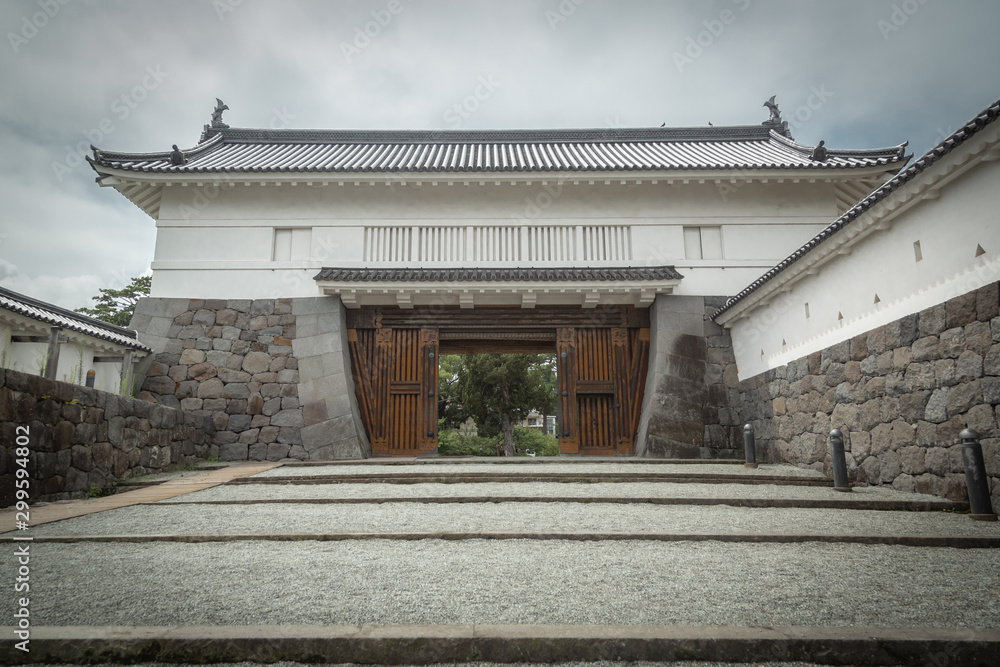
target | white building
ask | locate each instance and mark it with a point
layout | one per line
(603, 245)
(33, 334)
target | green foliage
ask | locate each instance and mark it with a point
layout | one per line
(535, 440)
(115, 306)
(452, 443)
(499, 390)
(450, 410)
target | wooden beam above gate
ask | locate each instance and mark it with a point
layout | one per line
(449, 319)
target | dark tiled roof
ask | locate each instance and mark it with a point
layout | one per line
(51, 314)
(964, 133)
(561, 274)
(241, 150)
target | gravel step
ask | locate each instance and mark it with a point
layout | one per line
(533, 517)
(638, 490)
(515, 467)
(515, 582)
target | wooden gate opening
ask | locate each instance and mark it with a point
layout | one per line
(601, 360)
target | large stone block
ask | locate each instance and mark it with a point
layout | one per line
(287, 418)
(961, 310)
(330, 432)
(235, 451)
(963, 396)
(256, 362)
(315, 305)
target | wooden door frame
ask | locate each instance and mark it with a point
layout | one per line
(501, 329)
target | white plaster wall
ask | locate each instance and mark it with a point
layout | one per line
(216, 241)
(76, 352)
(949, 229)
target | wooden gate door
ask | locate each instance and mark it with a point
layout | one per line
(396, 373)
(602, 375)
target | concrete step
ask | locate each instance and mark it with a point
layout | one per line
(519, 570)
(473, 644)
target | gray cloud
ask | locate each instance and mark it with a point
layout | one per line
(142, 75)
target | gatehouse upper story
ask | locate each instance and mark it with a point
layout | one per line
(248, 213)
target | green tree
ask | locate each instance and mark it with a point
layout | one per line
(502, 389)
(450, 410)
(115, 306)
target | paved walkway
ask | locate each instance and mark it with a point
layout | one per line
(169, 489)
(314, 563)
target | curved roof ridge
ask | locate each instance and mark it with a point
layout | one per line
(897, 150)
(103, 156)
(552, 135)
(43, 311)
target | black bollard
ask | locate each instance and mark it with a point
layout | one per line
(840, 482)
(748, 446)
(975, 476)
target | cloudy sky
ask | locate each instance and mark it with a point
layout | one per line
(134, 75)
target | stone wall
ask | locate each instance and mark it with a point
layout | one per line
(901, 393)
(81, 438)
(231, 361)
(691, 383)
(237, 361)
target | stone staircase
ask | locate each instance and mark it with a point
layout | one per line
(528, 560)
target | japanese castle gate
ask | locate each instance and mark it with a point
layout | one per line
(601, 365)
(328, 270)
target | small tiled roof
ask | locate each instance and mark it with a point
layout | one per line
(980, 121)
(560, 274)
(51, 314)
(241, 150)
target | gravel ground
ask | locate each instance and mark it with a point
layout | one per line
(510, 582)
(542, 517)
(531, 469)
(540, 490)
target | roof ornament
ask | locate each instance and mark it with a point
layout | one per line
(177, 157)
(819, 153)
(220, 106)
(775, 121)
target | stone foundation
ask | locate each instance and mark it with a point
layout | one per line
(237, 361)
(691, 383)
(901, 393)
(82, 438)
